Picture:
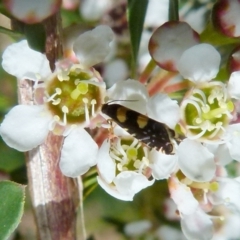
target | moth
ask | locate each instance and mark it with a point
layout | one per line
(147, 130)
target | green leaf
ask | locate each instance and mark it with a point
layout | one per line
(3, 10)
(36, 36)
(136, 14)
(71, 18)
(173, 10)
(11, 207)
(13, 34)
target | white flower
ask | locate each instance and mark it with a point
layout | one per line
(169, 42)
(32, 11)
(129, 93)
(228, 194)
(202, 167)
(93, 10)
(124, 163)
(137, 228)
(157, 13)
(229, 228)
(116, 176)
(195, 223)
(163, 109)
(207, 111)
(166, 232)
(207, 108)
(68, 98)
(199, 63)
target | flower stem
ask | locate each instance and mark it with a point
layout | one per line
(177, 87)
(54, 197)
(147, 71)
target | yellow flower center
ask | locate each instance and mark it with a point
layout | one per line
(129, 155)
(74, 95)
(207, 111)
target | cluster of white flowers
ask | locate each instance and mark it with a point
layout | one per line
(70, 99)
(211, 140)
(65, 101)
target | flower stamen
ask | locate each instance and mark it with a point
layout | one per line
(65, 112)
(63, 75)
(87, 118)
(130, 155)
(58, 91)
(206, 119)
(93, 103)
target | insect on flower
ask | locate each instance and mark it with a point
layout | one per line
(149, 131)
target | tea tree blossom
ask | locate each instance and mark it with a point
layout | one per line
(125, 165)
(211, 103)
(200, 207)
(207, 108)
(211, 139)
(137, 228)
(195, 223)
(174, 36)
(124, 170)
(67, 100)
(29, 11)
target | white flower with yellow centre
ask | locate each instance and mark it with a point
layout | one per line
(125, 165)
(66, 100)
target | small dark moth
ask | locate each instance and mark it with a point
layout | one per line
(149, 131)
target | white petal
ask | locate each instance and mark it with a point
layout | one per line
(221, 153)
(182, 196)
(79, 153)
(199, 63)
(157, 13)
(233, 140)
(165, 232)
(163, 109)
(195, 18)
(228, 193)
(137, 228)
(33, 11)
(106, 165)
(143, 54)
(111, 190)
(197, 226)
(92, 10)
(25, 127)
(92, 46)
(129, 182)
(110, 69)
(162, 165)
(169, 41)
(230, 228)
(171, 212)
(129, 90)
(23, 62)
(196, 161)
(234, 85)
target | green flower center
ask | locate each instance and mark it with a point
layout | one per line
(74, 95)
(207, 111)
(129, 155)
